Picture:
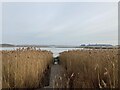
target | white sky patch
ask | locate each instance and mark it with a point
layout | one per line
(60, 23)
(0, 22)
(59, 0)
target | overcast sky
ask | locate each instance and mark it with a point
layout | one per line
(60, 23)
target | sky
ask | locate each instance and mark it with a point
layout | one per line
(0, 22)
(60, 23)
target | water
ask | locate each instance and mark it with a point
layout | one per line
(55, 51)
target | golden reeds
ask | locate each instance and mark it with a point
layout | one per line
(24, 68)
(91, 68)
(0, 70)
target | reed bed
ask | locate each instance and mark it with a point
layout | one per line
(24, 68)
(91, 68)
(0, 70)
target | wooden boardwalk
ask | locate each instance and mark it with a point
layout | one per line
(57, 77)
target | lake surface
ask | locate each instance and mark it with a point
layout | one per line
(55, 51)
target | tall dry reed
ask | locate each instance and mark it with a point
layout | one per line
(0, 70)
(24, 68)
(91, 68)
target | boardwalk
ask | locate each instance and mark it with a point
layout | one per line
(57, 77)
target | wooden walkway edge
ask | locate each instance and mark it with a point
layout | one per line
(58, 77)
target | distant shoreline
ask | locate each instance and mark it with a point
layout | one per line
(59, 46)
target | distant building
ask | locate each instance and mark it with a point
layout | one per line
(83, 45)
(100, 45)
